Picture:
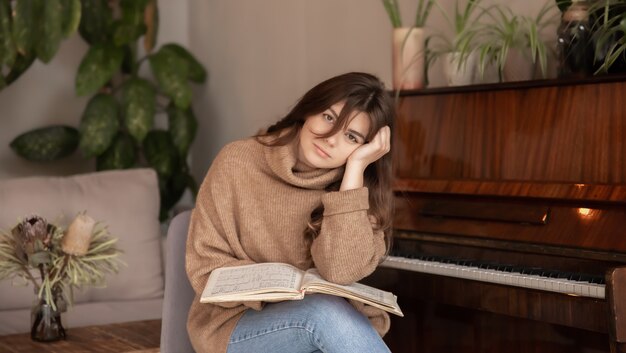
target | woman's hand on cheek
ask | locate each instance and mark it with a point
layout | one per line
(373, 150)
(364, 156)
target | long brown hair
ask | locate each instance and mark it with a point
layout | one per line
(361, 92)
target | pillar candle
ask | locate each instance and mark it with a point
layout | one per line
(78, 236)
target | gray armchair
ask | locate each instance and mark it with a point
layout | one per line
(178, 292)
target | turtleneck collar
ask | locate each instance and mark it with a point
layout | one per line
(283, 161)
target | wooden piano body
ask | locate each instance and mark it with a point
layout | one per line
(530, 176)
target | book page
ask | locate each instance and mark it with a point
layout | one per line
(314, 283)
(251, 279)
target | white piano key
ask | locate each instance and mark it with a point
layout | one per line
(600, 291)
(561, 285)
(578, 289)
(569, 288)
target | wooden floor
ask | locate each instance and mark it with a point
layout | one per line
(128, 337)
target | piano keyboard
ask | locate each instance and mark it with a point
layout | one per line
(534, 278)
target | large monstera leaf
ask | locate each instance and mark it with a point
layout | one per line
(47, 143)
(71, 16)
(196, 72)
(131, 25)
(99, 125)
(160, 152)
(182, 126)
(138, 99)
(97, 67)
(51, 30)
(122, 154)
(171, 71)
(26, 24)
(97, 19)
(7, 46)
(21, 64)
(34, 29)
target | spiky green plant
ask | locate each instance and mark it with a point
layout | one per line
(423, 10)
(609, 33)
(509, 31)
(465, 22)
(391, 6)
(421, 15)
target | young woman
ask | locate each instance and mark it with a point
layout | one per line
(313, 191)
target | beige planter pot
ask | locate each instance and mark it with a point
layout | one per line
(408, 58)
(518, 67)
(465, 74)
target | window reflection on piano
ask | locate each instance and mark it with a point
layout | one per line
(586, 212)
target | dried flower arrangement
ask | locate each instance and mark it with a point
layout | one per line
(56, 260)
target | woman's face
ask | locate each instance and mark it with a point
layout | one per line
(331, 152)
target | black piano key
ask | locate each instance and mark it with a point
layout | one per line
(565, 275)
(535, 271)
(501, 268)
(508, 268)
(575, 277)
(526, 270)
(553, 274)
(597, 280)
(546, 273)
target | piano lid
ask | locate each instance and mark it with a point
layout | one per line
(540, 164)
(549, 140)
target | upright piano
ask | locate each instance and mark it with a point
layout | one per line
(509, 232)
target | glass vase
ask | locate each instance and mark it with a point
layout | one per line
(45, 323)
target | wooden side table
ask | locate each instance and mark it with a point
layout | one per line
(127, 337)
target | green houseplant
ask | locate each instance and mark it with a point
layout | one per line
(117, 127)
(33, 29)
(421, 15)
(609, 36)
(507, 32)
(459, 52)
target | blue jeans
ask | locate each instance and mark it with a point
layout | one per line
(318, 323)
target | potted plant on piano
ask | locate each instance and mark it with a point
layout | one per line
(513, 43)
(459, 53)
(408, 46)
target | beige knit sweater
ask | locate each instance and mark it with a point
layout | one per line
(252, 207)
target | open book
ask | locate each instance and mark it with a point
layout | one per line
(273, 282)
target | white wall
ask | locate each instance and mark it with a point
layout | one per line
(262, 55)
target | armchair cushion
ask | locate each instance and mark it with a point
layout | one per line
(178, 291)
